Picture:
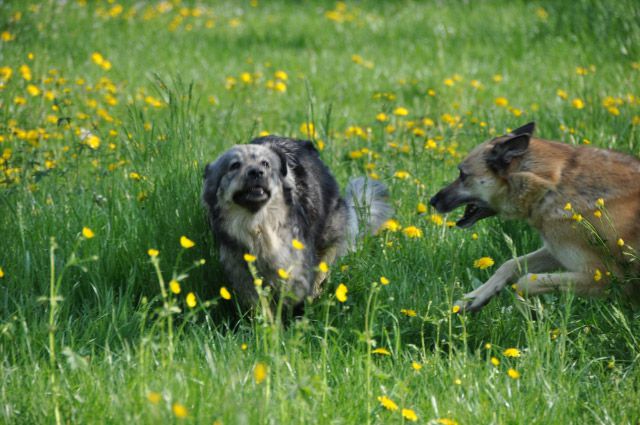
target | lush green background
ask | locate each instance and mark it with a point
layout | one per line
(172, 96)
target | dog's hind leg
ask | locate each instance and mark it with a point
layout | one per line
(579, 283)
(536, 262)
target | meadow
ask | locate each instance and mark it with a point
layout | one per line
(113, 307)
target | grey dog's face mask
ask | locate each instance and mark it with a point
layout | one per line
(247, 175)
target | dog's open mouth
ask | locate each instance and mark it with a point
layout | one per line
(252, 197)
(473, 212)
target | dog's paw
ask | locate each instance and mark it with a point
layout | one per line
(470, 304)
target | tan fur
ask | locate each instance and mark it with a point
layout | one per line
(536, 186)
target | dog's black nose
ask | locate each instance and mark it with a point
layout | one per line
(255, 173)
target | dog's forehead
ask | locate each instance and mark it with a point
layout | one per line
(476, 154)
(251, 152)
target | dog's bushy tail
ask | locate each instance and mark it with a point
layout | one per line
(368, 205)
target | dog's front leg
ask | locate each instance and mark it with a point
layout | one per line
(536, 262)
(580, 283)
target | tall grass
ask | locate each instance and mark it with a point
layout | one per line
(99, 342)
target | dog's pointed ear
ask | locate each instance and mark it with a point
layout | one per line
(528, 128)
(505, 151)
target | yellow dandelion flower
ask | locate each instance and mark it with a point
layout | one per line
(297, 244)
(257, 282)
(409, 415)
(281, 75)
(577, 103)
(567, 206)
(416, 366)
(225, 294)
(497, 78)
(244, 346)
(387, 403)
(384, 280)
(1, 273)
(474, 236)
(87, 233)
(446, 421)
(391, 225)
(179, 410)
(25, 72)
(308, 130)
(154, 397)
(412, 232)
(421, 208)
(249, 258)
(513, 374)
(597, 213)
(562, 94)
(191, 300)
(577, 217)
(153, 252)
(186, 243)
(7, 36)
(408, 312)
(402, 175)
(495, 361)
(457, 381)
(455, 309)
(93, 141)
(597, 275)
(323, 267)
(501, 101)
(341, 292)
(620, 242)
(511, 352)
(401, 111)
(437, 219)
(382, 351)
(174, 286)
(600, 203)
(33, 90)
(260, 372)
(283, 274)
(382, 117)
(483, 263)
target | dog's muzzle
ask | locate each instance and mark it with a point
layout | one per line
(475, 209)
(255, 191)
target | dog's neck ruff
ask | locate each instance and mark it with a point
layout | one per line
(260, 233)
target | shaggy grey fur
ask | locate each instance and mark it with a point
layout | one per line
(262, 195)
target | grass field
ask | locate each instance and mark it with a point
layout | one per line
(109, 112)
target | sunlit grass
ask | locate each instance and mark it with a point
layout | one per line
(113, 306)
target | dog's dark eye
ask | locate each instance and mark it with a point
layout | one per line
(234, 166)
(265, 164)
(463, 175)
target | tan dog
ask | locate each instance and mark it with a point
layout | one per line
(585, 202)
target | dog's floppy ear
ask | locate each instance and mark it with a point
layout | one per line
(213, 173)
(283, 159)
(505, 151)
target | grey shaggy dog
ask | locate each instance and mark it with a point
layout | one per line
(260, 196)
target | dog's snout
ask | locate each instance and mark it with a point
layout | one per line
(255, 173)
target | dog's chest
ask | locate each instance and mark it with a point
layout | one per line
(262, 234)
